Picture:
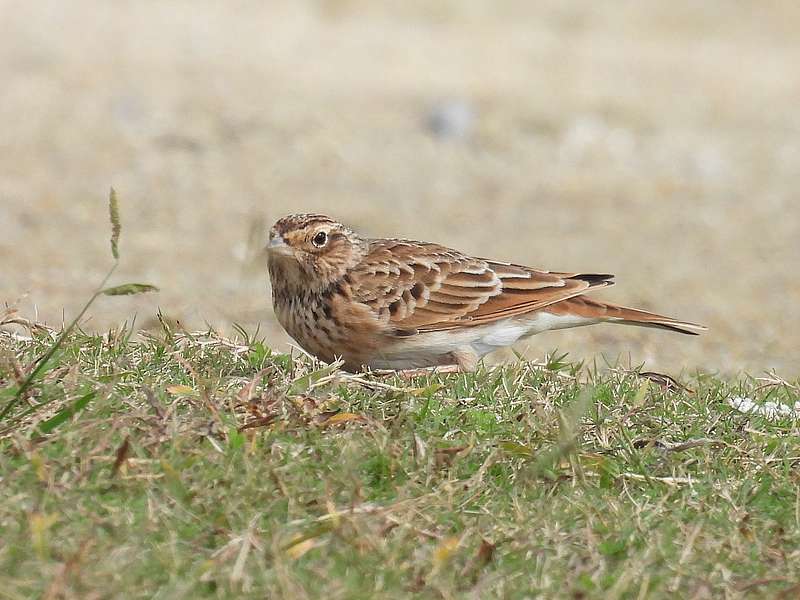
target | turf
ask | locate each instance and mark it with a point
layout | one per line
(185, 465)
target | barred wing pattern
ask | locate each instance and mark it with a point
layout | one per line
(417, 287)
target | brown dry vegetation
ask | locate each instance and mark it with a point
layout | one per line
(659, 141)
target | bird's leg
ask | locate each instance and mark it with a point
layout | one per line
(466, 359)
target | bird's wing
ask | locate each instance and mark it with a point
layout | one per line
(419, 287)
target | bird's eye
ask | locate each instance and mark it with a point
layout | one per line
(320, 239)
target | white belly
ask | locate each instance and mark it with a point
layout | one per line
(434, 348)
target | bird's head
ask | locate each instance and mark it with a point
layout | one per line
(312, 250)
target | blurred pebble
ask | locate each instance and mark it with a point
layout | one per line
(452, 119)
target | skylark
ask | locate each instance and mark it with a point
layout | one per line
(401, 304)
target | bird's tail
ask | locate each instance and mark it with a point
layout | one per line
(613, 313)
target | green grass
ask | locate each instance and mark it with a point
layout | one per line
(130, 476)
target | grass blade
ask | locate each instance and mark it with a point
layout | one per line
(66, 413)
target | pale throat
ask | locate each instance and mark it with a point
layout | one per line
(292, 278)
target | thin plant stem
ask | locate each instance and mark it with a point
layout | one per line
(40, 364)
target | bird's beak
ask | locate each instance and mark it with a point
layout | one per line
(278, 246)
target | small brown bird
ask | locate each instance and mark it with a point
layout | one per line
(401, 304)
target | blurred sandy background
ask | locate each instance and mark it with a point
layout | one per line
(658, 141)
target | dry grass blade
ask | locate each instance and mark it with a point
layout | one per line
(121, 456)
(246, 393)
(751, 585)
(666, 480)
(31, 326)
(680, 447)
(258, 422)
(666, 382)
(129, 289)
(482, 557)
(330, 418)
(154, 404)
(56, 589)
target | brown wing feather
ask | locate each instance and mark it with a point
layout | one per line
(427, 287)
